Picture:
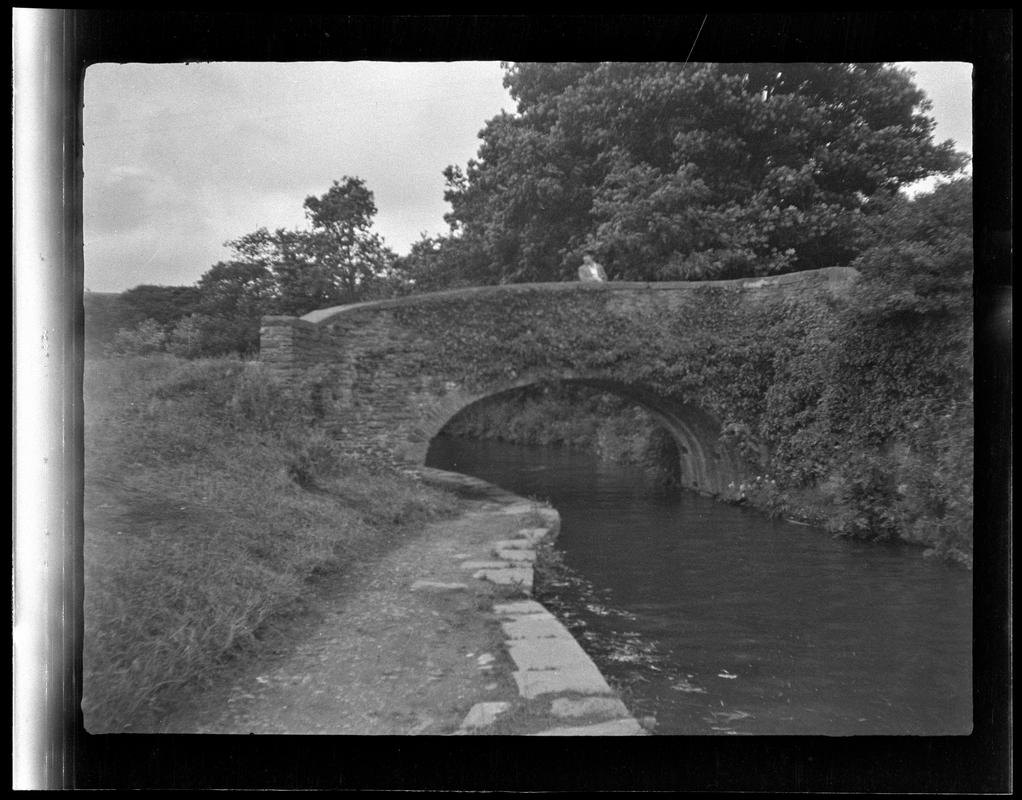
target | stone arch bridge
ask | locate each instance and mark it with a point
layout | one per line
(394, 372)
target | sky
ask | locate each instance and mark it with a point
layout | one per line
(181, 158)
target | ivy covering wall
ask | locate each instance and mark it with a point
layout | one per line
(857, 420)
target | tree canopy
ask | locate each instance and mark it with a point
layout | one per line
(165, 304)
(669, 171)
(340, 260)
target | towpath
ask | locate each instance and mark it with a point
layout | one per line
(436, 637)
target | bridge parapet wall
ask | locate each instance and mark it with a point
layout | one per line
(398, 370)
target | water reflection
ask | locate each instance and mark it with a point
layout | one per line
(716, 620)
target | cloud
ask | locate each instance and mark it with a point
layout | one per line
(117, 200)
(948, 85)
(181, 158)
(143, 226)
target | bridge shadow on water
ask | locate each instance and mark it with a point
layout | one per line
(680, 444)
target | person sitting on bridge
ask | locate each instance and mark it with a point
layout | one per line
(590, 271)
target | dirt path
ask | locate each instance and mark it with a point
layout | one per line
(375, 657)
(409, 646)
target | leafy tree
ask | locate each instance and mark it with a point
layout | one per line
(340, 260)
(904, 347)
(142, 339)
(896, 406)
(233, 288)
(441, 262)
(342, 219)
(137, 319)
(918, 257)
(669, 171)
(186, 339)
(233, 297)
(345, 260)
(103, 318)
(164, 304)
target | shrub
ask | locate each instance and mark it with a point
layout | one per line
(144, 338)
(185, 339)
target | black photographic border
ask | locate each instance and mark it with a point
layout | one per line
(979, 763)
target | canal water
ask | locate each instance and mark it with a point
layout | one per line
(714, 619)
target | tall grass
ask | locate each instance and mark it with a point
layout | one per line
(211, 500)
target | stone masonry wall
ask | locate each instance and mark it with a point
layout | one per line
(395, 371)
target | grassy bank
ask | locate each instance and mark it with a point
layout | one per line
(211, 500)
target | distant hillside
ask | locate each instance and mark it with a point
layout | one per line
(108, 312)
(103, 316)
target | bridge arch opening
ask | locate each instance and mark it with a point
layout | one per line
(692, 457)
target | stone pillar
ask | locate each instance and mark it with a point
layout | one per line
(284, 342)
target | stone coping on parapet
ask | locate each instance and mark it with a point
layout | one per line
(836, 275)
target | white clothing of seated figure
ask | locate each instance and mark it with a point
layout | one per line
(590, 270)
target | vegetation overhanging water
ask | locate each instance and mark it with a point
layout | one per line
(717, 620)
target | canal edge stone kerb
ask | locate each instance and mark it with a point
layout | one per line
(551, 665)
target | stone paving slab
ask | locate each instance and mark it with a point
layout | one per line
(531, 654)
(485, 564)
(482, 715)
(580, 680)
(617, 727)
(588, 706)
(521, 608)
(507, 576)
(517, 508)
(535, 627)
(532, 534)
(513, 544)
(438, 586)
(516, 555)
